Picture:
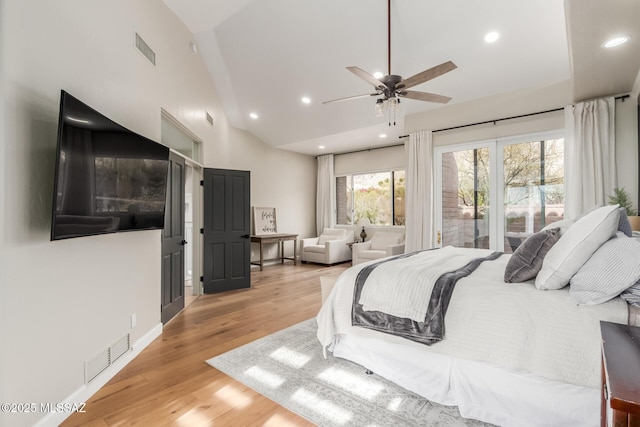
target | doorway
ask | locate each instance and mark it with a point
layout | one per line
(193, 222)
(187, 147)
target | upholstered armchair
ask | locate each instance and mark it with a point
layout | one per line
(382, 244)
(330, 247)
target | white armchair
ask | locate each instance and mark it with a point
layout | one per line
(382, 244)
(330, 247)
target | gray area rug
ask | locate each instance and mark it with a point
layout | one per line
(288, 368)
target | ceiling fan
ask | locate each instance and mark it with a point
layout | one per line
(393, 87)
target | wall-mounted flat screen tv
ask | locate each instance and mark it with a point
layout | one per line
(108, 179)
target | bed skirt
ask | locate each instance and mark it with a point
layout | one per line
(480, 391)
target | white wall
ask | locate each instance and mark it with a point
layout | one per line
(3, 294)
(280, 179)
(64, 301)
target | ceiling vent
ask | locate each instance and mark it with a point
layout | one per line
(101, 361)
(144, 48)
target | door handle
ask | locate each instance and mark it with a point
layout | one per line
(245, 236)
(184, 242)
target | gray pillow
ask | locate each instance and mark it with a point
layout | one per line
(613, 268)
(632, 294)
(623, 223)
(526, 261)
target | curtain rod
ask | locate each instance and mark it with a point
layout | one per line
(623, 97)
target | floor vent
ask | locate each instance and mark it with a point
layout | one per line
(101, 361)
(209, 118)
(144, 48)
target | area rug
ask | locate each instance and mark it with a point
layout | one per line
(288, 368)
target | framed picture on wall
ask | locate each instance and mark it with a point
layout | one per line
(264, 221)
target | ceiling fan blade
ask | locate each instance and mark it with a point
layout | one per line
(350, 97)
(427, 75)
(366, 77)
(424, 96)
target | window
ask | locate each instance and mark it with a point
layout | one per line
(377, 196)
(495, 194)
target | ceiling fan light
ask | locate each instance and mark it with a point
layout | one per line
(394, 104)
(378, 75)
(380, 108)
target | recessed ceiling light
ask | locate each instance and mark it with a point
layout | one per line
(616, 41)
(383, 135)
(73, 119)
(491, 37)
(254, 116)
(306, 100)
(321, 147)
(378, 75)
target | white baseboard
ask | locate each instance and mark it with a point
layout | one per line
(84, 393)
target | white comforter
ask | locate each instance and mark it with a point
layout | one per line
(513, 326)
(403, 288)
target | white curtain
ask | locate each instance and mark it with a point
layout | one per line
(325, 193)
(419, 192)
(590, 155)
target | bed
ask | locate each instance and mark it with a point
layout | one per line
(512, 354)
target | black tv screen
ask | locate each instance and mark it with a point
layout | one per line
(108, 179)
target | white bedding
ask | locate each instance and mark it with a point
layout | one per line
(512, 326)
(403, 288)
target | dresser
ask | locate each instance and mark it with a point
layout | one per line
(620, 404)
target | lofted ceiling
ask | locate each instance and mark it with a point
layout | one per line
(265, 55)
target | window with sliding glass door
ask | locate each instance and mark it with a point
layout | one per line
(494, 194)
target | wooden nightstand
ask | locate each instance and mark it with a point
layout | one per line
(620, 375)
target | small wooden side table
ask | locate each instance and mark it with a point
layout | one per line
(279, 239)
(620, 375)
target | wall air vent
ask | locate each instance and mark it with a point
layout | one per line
(104, 359)
(144, 48)
(209, 118)
(96, 365)
(121, 347)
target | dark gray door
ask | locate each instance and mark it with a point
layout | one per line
(227, 247)
(173, 242)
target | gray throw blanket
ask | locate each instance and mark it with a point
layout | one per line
(431, 330)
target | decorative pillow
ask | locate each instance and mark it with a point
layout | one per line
(526, 261)
(613, 268)
(381, 240)
(624, 225)
(576, 246)
(331, 234)
(563, 225)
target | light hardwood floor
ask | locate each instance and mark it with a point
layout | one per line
(169, 383)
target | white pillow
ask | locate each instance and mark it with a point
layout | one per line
(613, 268)
(563, 225)
(338, 232)
(576, 245)
(381, 240)
(329, 234)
